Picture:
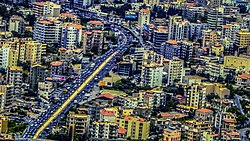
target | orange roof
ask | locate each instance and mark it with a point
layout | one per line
(56, 63)
(62, 49)
(141, 119)
(95, 22)
(204, 111)
(226, 26)
(129, 117)
(107, 113)
(165, 114)
(68, 15)
(109, 96)
(77, 26)
(145, 11)
(121, 130)
(45, 22)
(173, 42)
(244, 76)
(230, 120)
(38, 3)
(217, 45)
(233, 133)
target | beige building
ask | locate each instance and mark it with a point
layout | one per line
(144, 17)
(46, 9)
(4, 124)
(77, 123)
(7, 96)
(15, 78)
(241, 63)
(171, 134)
(44, 89)
(242, 38)
(16, 23)
(151, 2)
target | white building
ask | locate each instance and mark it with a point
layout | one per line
(174, 69)
(16, 23)
(71, 35)
(144, 17)
(178, 28)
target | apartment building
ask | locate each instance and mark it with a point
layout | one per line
(215, 19)
(243, 80)
(160, 35)
(47, 31)
(103, 131)
(71, 35)
(97, 41)
(229, 30)
(44, 89)
(94, 25)
(34, 51)
(208, 37)
(16, 23)
(137, 128)
(178, 28)
(4, 124)
(241, 63)
(57, 68)
(7, 97)
(46, 9)
(144, 17)
(37, 74)
(242, 38)
(174, 70)
(196, 30)
(171, 134)
(77, 123)
(9, 57)
(15, 78)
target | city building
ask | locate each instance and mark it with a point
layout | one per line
(215, 19)
(241, 63)
(94, 25)
(137, 128)
(16, 23)
(174, 70)
(37, 74)
(103, 130)
(46, 9)
(196, 30)
(171, 134)
(243, 80)
(57, 68)
(209, 37)
(160, 35)
(71, 35)
(15, 78)
(77, 123)
(178, 28)
(4, 124)
(242, 41)
(44, 90)
(144, 18)
(82, 3)
(229, 31)
(7, 97)
(152, 69)
(47, 31)
(34, 51)
(97, 42)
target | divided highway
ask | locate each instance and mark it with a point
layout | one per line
(74, 94)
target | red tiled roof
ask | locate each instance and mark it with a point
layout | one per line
(62, 49)
(165, 114)
(204, 111)
(107, 113)
(109, 96)
(230, 120)
(121, 130)
(245, 76)
(95, 22)
(56, 63)
(145, 10)
(233, 133)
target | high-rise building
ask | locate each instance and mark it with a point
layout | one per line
(71, 35)
(209, 37)
(46, 9)
(34, 52)
(178, 28)
(160, 35)
(137, 128)
(196, 30)
(37, 74)
(242, 38)
(8, 57)
(7, 92)
(174, 69)
(229, 31)
(169, 49)
(82, 3)
(152, 69)
(97, 41)
(103, 131)
(47, 31)
(77, 123)
(144, 17)
(44, 90)
(15, 77)
(4, 124)
(16, 23)
(215, 19)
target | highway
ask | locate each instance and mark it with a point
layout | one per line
(71, 98)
